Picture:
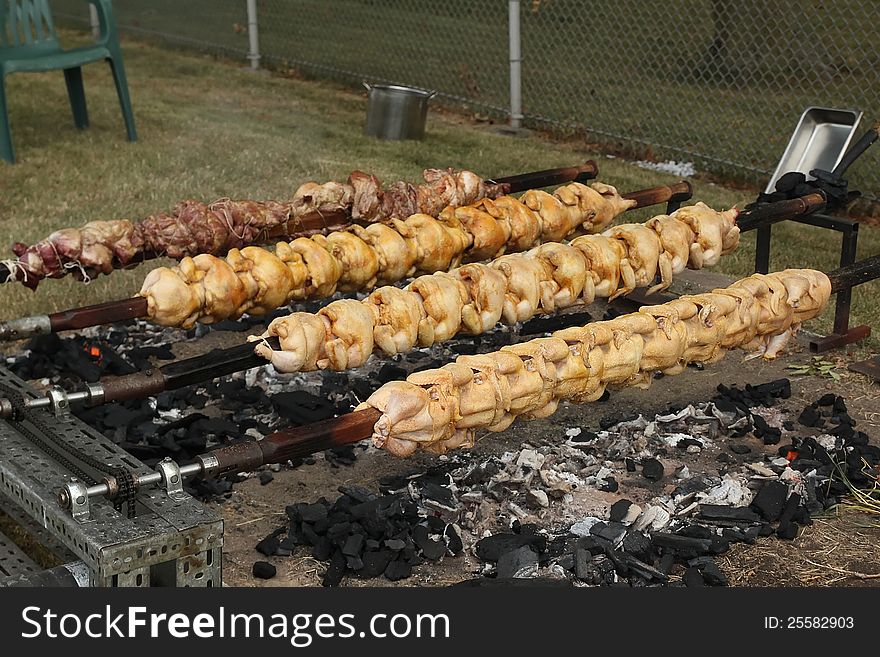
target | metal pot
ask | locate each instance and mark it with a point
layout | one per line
(396, 112)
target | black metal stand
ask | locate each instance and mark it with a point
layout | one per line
(842, 333)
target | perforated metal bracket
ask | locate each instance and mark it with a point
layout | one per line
(77, 493)
(171, 479)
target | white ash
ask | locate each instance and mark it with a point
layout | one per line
(683, 169)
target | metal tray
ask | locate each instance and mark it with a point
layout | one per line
(819, 141)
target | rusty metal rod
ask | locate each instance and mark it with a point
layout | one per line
(772, 213)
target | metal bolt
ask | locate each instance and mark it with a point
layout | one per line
(174, 479)
(81, 500)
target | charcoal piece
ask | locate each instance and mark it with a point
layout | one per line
(630, 464)
(264, 570)
(839, 405)
(357, 493)
(788, 181)
(740, 448)
(390, 372)
(827, 399)
(433, 550)
(770, 500)
(397, 570)
(313, 512)
(266, 477)
(435, 524)
(593, 545)
(464, 348)
(685, 546)
(322, 548)
(684, 443)
(453, 540)
(354, 563)
(725, 458)
(652, 469)
(619, 510)
(728, 513)
(338, 531)
(628, 565)
(666, 563)
(395, 544)
(638, 545)
(809, 417)
(335, 570)
(354, 545)
(583, 564)
(375, 563)
(301, 407)
(693, 577)
(517, 562)
(344, 455)
(612, 532)
(439, 494)
(554, 323)
(492, 547)
(712, 574)
(616, 418)
(787, 531)
(269, 545)
(609, 485)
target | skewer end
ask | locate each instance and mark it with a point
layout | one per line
(24, 327)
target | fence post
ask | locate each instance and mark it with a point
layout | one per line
(253, 36)
(514, 34)
(94, 23)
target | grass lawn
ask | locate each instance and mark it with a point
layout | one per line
(210, 129)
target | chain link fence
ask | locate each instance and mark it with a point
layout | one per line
(716, 83)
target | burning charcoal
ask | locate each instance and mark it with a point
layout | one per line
(397, 570)
(335, 570)
(809, 417)
(728, 513)
(522, 562)
(264, 570)
(266, 477)
(770, 500)
(492, 547)
(740, 448)
(652, 469)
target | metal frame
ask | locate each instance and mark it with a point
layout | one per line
(843, 333)
(173, 540)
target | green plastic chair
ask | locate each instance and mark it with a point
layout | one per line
(29, 43)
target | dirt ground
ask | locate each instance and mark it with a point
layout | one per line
(840, 551)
